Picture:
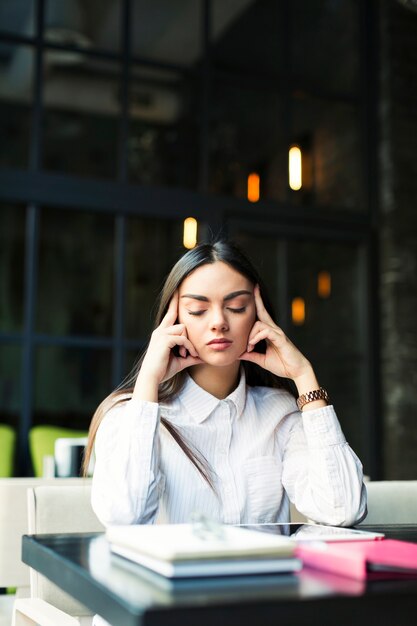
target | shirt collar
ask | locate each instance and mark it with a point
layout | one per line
(199, 404)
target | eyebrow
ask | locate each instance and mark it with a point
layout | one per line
(230, 296)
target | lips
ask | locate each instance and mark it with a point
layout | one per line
(220, 344)
(219, 341)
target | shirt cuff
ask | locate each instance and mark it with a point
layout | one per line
(322, 427)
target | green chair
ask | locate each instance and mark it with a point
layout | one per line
(7, 446)
(42, 443)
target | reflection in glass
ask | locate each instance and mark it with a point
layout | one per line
(152, 247)
(17, 17)
(10, 385)
(12, 255)
(166, 31)
(82, 108)
(329, 132)
(336, 319)
(69, 384)
(16, 86)
(246, 36)
(246, 135)
(325, 44)
(75, 283)
(164, 129)
(89, 23)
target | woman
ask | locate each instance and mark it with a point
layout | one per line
(208, 424)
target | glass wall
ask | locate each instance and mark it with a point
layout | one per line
(164, 128)
(81, 114)
(12, 247)
(10, 383)
(120, 118)
(147, 239)
(69, 384)
(76, 277)
(16, 85)
(85, 311)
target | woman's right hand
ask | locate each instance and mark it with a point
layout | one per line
(160, 362)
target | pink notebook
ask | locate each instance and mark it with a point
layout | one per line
(386, 558)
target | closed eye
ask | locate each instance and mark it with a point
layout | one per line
(239, 310)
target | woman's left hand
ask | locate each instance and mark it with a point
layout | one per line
(282, 358)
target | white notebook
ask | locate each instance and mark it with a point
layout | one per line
(185, 550)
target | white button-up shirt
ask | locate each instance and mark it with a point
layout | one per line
(260, 450)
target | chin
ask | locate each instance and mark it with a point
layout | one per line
(221, 360)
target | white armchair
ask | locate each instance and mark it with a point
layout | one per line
(391, 502)
(52, 509)
(14, 524)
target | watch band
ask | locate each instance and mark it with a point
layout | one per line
(310, 396)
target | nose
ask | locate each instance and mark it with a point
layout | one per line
(218, 320)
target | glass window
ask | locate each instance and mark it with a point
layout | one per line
(325, 44)
(17, 17)
(90, 23)
(16, 87)
(246, 36)
(10, 383)
(164, 138)
(81, 118)
(152, 247)
(12, 257)
(75, 282)
(69, 384)
(246, 136)
(166, 31)
(328, 134)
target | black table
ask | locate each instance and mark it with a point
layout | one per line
(82, 566)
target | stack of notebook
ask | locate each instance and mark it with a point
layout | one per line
(187, 550)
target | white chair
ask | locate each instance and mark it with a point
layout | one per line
(52, 509)
(14, 524)
(391, 502)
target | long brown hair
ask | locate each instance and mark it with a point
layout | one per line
(202, 254)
